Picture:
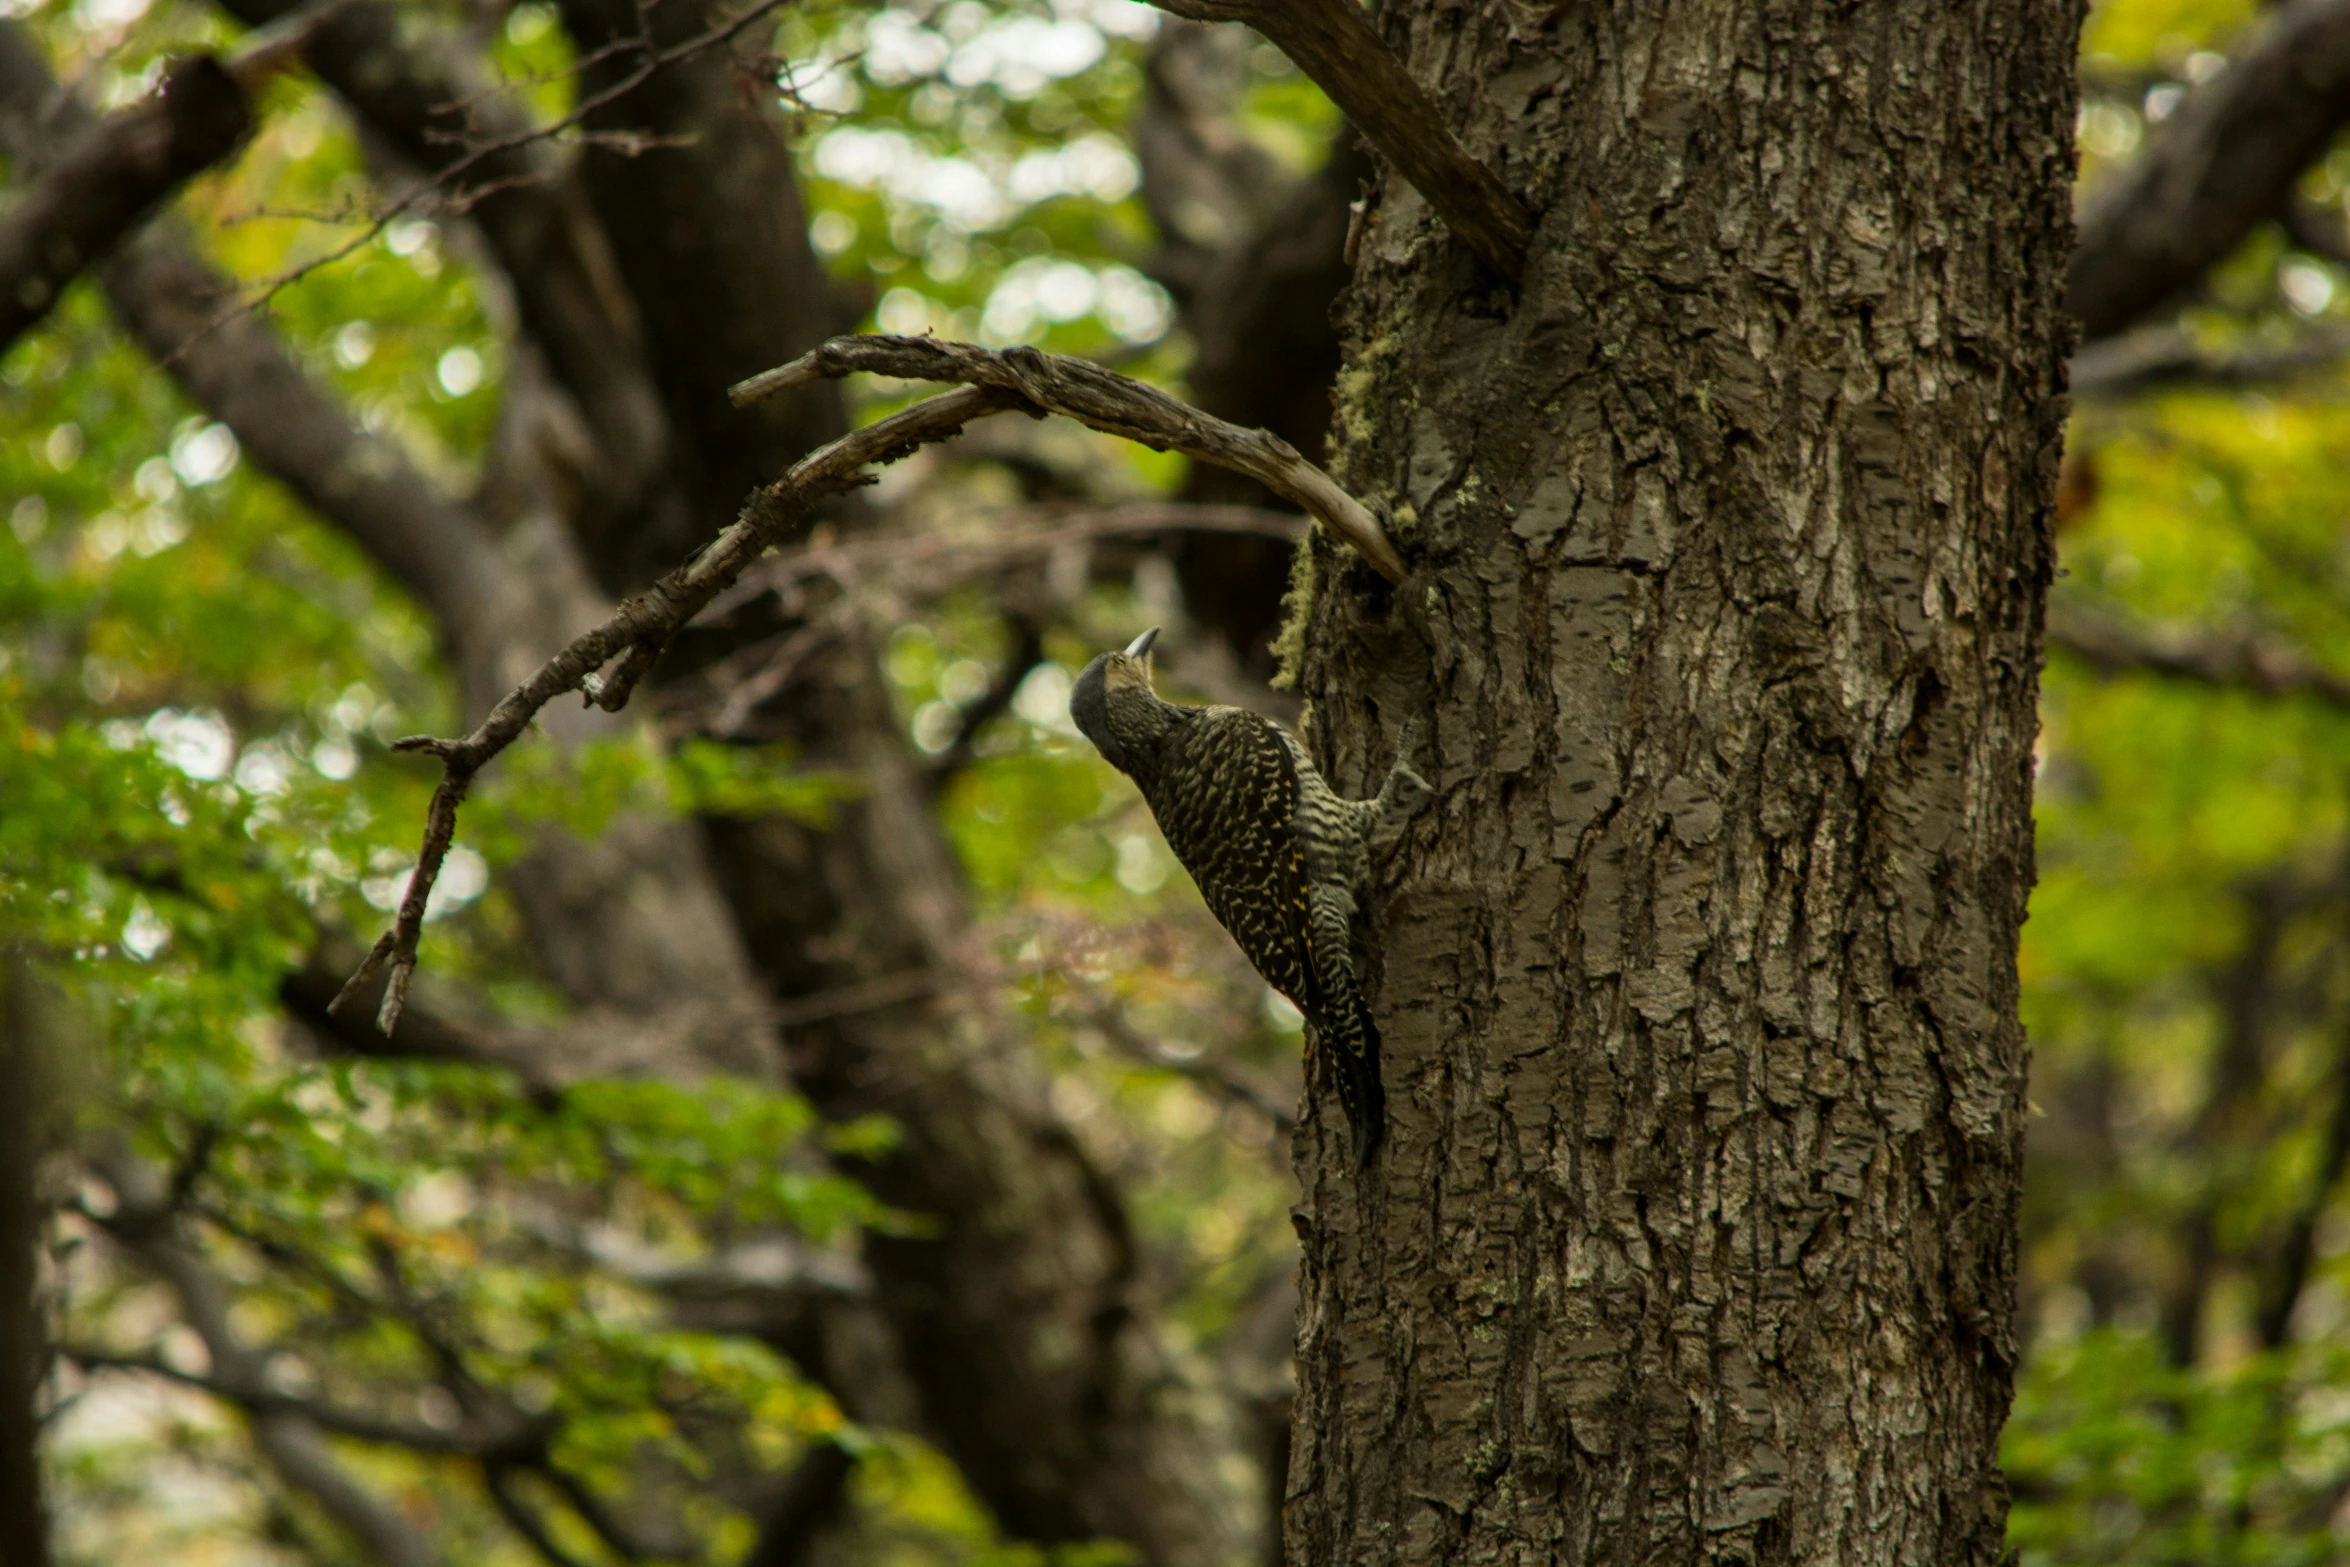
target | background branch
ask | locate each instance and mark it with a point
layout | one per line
(426, 93)
(2224, 161)
(24, 1516)
(256, 1397)
(1333, 42)
(2244, 662)
(811, 1500)
(145, 1226)
(2159, 356)
(72, 211)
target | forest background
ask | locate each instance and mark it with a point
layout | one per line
(555, 1284)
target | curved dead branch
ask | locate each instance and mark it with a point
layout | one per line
(632, 638)
(1106, 401)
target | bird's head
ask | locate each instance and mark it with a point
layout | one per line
(1115, 707)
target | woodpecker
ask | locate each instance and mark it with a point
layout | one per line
(1276, 853)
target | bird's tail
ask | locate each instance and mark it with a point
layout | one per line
(1352, 1045)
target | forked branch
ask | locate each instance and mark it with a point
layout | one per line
(1107, 401)
(633, 637)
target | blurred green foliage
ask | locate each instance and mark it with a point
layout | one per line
(2184, 1387)
(198, 682)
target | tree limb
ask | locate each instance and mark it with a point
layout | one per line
(498, 1480)
(295, 1445)
(994, 702)
(1217, 1080)
(258, 1398)
(2159, 356)
(926, 563)
(1333, 42)
(75, 203)
(690, 171)
(1105, 401)
(236, 368)
(2233, 660)
(2223, 162)
(110, 177)
(632, 638)
(2283, 1281)
(595, 1042)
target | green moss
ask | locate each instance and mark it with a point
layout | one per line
(1350, 418)
(1403, 517)
(1297, 607)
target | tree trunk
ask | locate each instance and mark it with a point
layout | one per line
(24, 1520)
(1694, 1234)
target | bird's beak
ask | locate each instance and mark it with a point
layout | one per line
(1142, 644)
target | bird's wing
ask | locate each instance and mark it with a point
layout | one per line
(1227, 801)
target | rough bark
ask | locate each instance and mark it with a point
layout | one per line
(1694, 1238)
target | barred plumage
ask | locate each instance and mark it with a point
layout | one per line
(1275, 851)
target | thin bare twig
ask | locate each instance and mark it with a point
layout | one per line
(919, 566)
(632, 638)
(869, 995)
(1334, 43)
(1106, 401)
(443, 184)
(775, 672)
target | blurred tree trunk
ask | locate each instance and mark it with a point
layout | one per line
(1694, 1238)
(24, 1522)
